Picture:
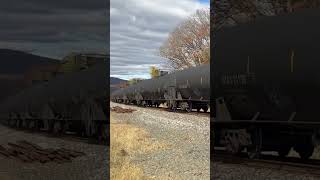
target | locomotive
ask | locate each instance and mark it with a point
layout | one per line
(186, 90)
(265, 85)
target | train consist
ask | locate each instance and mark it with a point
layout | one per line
(186, 90)
(266, 84)
(73, 102)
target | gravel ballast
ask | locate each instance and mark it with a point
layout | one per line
(189, 153)
(186, 134)
(222, 171)
(92, 166)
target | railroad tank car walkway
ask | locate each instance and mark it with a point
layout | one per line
(188, 137)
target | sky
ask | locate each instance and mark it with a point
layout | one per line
(137, 30)
(54, 28)
(205, 2)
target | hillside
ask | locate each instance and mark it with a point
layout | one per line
(13, 65)
(17, 62)
(114, 80)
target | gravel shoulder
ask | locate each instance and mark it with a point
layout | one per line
(223, 171)
(187, 136)
(89, 167)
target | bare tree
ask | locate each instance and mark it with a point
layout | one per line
(232, 12)
(189, 44)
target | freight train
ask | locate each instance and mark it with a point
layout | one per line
(266, 85)
(73, 102)
(186, 90)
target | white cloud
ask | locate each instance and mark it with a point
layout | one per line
(54, 28)
(138, 28)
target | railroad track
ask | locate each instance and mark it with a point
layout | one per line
(290, 164)
(161, 108)
(182, 111)
(69, 136)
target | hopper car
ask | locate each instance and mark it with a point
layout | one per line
(186, 90)
(266, 85)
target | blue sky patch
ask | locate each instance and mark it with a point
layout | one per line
(204, 1)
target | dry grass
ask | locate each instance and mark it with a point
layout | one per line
(127, 140)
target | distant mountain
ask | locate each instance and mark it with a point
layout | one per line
(17, 62)
(114, 80)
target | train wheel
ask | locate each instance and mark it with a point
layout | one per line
(198, 109)
(65, 127)
(145, 104)
(46, 124)
(19, 123)
(305, 150)
(173, 108)
(32, 124)
(25, 123)
(205, 108)
(189, 108)
(254, 150)
(104, 132)
(231, 141)
(284, 151)
(57, 128)
(80, 130)
(233, 147)
(12, 122)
